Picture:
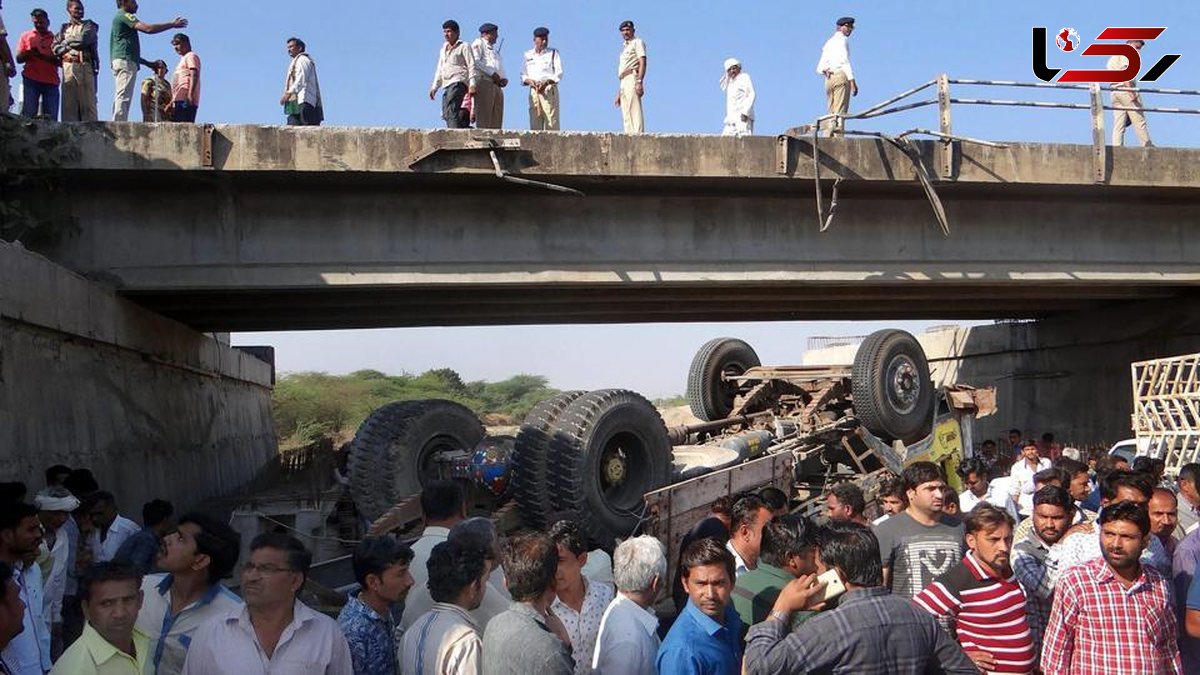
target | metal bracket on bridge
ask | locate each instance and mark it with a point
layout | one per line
(491, 145)
(206, 153)
(473, 144)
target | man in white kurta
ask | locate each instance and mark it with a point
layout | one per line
(739, 100)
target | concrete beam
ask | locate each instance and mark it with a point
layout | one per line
(591, 158)
(302, 228)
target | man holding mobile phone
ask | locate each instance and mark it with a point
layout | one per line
(983, 598)
(870, 632)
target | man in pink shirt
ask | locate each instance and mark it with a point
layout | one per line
(40, 75)
(185, 83)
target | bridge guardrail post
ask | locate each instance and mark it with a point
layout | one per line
(946, 149)
(1099, 148)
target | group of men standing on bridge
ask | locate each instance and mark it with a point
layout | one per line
(470, 76)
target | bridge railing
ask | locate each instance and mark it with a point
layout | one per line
(945, 100)
(949, 143)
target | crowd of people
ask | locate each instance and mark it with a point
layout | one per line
(471, 77)
(1051, 564)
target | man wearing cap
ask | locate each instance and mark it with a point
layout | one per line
(54, 505)
(541, 72)
(489, 79)
(456, 73)
(839, 76)
(739, 100)
(631, 70)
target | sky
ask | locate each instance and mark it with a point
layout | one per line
(376, 59)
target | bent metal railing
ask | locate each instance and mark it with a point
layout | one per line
(946, 148)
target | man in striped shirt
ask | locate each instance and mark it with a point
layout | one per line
(981, 596)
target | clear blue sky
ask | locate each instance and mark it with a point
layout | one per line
(376, 59)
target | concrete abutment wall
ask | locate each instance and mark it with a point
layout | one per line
(152, 407)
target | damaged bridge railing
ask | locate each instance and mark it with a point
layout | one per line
(948, 141)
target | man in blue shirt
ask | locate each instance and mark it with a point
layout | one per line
(706, 638)
(381, 568)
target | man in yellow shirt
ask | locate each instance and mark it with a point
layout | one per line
(111, 594)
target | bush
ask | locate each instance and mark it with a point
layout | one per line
(308, 405)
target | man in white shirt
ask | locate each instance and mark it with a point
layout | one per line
(749, 515)
(1125, 95)
(834, 65)
(55, 505)
(301, 98)
(274, 632)
(628, 642)
(975, 474)
(20, 538)
(579, 602)
(444, 504)
(1082, 543)
(541, 72)
(1022, 485)
(196, 557)
(446, 640)
(739, 100)
(489, 79)
(631, 72)
(455, 76)
(110, 529)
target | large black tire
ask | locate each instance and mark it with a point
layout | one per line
(608, 450)
(893, 395)
(709, 396)
(391, 451)
(531, 489)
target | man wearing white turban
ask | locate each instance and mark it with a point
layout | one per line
(739, 100)
(54, 505)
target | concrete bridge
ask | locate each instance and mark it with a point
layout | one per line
(266, 228)
(180, 229)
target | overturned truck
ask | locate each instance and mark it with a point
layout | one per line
(606, 459)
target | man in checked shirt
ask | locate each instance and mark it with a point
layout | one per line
(1114, 616)
(1052, 513)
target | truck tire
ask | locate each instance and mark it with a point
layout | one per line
(893, 395)
(390, 456)
(609, 449)
(531, 489)
(709, 396)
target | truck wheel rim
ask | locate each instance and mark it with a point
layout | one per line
(904, 385)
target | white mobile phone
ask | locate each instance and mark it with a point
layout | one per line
(833, 585)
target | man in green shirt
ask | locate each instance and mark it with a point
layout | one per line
(126, 52)
(788, 551)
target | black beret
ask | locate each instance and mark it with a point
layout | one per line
(489, 28)
(625, 24)
(846, 20)
(541, 31)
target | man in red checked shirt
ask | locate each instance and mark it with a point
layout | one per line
(1113, 616)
